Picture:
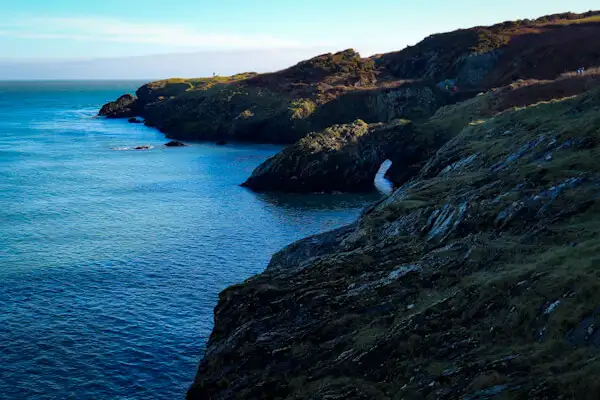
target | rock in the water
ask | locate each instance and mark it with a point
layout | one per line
(142, 148)
(124, 107)
(332, 160)
(221, 143)
(175, 143)
(342, 158)
(134, 120)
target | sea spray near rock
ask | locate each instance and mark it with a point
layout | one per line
(381, 182)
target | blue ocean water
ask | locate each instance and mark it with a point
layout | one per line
(111, 260)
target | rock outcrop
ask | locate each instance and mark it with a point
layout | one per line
(476, 278)
(125, 106)
(333, 160)
(342, 158)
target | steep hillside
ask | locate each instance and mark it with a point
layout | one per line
(281, 107)
(487, 57)
(475, 279)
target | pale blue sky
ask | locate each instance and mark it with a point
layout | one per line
(77, 29)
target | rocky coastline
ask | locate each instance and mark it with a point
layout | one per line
(476, 278)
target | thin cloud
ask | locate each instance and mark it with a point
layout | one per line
(112, 30)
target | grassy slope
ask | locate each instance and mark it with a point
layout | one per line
(494, 56)
(478, 278)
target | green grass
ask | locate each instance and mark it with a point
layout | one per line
(586, 20)
(205, 83)
(302, 108)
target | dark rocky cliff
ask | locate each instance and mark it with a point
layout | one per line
(477, 278)
(492, 56)
(284, 106)
(342, 158)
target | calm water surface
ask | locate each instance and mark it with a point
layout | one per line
(111, 260)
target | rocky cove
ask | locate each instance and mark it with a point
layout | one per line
(476, 278)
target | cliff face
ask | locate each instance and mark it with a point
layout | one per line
(284, 106)
(342, 158)
(476, 278)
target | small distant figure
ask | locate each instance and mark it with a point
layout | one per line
(214, 74)
(580, 71)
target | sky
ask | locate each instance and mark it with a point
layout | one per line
(77, 38)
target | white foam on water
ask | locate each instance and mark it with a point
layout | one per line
(380, 181)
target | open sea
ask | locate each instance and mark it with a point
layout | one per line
(111, 259)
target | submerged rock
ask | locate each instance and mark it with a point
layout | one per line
(142, 147)
(134, 120)
(175, 143)
(221, 143)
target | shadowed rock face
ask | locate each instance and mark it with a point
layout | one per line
(493, 56)
(342, 158)
(273, 108)
(125, 106)
(333, 160)
(475, 278)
